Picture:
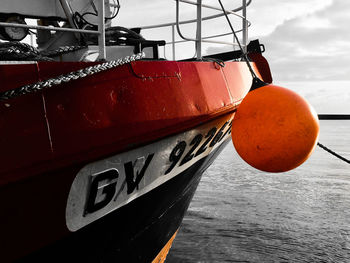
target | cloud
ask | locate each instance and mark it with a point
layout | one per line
(267, 17)
(312, 47)
(305, 40)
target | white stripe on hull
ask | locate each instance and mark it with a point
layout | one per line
(106, 185)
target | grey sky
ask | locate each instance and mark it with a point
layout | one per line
(309, 52)
(312, 47)
(307, 41)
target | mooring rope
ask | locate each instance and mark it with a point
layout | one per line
(333, 153)
(257, 82)
(13, 51)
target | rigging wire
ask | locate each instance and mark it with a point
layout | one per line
(244, 55)
(257, 82)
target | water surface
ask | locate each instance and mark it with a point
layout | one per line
(239, 214)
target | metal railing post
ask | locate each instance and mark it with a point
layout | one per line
(199, 30)
(173, 40)
(101, 29)
(198, 40)
(244, 25)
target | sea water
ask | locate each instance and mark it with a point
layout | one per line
(240, 214)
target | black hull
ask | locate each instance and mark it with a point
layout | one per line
(135, 232)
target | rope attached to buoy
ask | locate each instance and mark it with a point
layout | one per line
(333, 153)
(257, 82)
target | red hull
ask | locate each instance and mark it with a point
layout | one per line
(47, 137)
(110, 112)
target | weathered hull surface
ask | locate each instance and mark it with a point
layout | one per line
(137, 231)
(104, 168)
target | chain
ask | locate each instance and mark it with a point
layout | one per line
(61, 50)
(22, 51)
(82, 73)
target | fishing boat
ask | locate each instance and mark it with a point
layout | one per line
(103, 140)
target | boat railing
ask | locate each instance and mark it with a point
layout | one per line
(100, 31)
(199, 39)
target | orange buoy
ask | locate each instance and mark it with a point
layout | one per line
(275, 129)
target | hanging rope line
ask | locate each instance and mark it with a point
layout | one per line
(244, 55)
(79, 74)
(14, 51)
(333, 153)
(333, 117)
(257, 82)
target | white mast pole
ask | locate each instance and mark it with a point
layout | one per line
(199, 30)
(244, 26)
(101, 29)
